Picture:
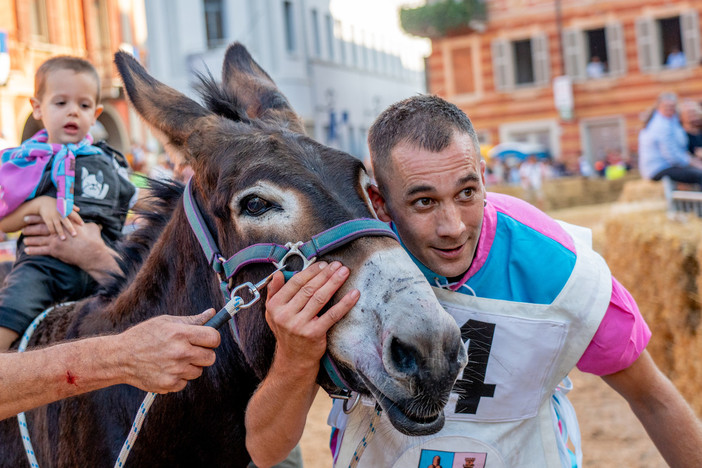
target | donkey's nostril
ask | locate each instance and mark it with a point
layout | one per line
(404, 356)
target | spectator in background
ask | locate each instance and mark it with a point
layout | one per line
(586, 169)
(663, 146)
(532, 173)
(596, 68)
(691, 120)
(676, 58)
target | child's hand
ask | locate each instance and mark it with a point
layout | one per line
(49, 214)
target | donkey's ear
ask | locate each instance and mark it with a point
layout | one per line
(172, 115)
(256, 91)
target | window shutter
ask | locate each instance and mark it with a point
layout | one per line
(540, 57)
(690, 29)
(574, 52)
(648, 45)
(502, 64)
(616, 49)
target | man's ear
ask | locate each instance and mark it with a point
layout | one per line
(378, 203)
(36, 108)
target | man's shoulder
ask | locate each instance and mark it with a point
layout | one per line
(517, 214)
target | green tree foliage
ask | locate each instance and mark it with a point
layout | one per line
(439, 18)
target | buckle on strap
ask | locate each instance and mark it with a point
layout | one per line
(294, 250)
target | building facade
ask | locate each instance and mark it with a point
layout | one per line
(35, 30)
(578, 76)
(337, 73)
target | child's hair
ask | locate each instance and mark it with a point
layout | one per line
(64, 62)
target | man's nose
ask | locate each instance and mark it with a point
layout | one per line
(450, 223)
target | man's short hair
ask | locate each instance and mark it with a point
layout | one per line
(424, 121)
(63, 62)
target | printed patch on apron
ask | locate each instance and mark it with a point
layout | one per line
(441, 459)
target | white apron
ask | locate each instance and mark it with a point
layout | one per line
(518, 355)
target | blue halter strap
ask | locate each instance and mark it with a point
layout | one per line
(320, 244)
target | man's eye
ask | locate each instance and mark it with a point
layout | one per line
(255, 206)
(423, 202)
(467, 193)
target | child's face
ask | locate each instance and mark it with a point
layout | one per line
(68, 107)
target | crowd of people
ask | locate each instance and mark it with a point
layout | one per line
(498, 262)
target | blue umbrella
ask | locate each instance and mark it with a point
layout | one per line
(518, 150)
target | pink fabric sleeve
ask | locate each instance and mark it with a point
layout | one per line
(621, 337)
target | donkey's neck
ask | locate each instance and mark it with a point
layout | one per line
(175, 278)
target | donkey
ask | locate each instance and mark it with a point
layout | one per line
(258, 179)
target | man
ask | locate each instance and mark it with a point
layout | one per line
(532, 299)
(159, 355)
(663, 146)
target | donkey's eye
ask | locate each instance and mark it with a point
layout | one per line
(255, 206)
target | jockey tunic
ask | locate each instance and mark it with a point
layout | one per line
(528, 308)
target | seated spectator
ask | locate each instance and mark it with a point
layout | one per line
(663, 146)
(676, 59)
(596, 68)
(691, 120)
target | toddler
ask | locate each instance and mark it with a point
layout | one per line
(56, 174)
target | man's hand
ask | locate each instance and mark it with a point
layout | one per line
(165, 352)
(292, 308)
(99, 264)
(46, 207)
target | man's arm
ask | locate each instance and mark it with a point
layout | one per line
(670, 422)
(159, 355)
(276, 414)
(101, 262)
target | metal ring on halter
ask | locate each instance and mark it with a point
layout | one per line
(252, 290)
(294, 249)
(353, 405)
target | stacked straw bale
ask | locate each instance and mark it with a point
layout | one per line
(658, 260)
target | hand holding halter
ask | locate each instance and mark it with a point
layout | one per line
(234, 305)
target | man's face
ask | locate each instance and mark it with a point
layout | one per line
(436, 201)
(667, 108)
(68, 107)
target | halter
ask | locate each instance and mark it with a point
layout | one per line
(277, 255)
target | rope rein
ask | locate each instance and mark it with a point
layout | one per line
(21, 417)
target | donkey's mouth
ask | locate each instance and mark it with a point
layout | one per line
(411, 424)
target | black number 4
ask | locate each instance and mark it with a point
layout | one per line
(472, 386)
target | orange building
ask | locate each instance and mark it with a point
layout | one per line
(35, 30)
(503, 72)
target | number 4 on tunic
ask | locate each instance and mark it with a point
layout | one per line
(472, 386)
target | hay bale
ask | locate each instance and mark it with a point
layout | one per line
(658, 260)
(642, 189)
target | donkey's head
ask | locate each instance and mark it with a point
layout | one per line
(259, 179)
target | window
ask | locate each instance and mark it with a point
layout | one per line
(669, 42)
(342, 42)
(354, 49)
(330, 35)
(289, 20)
(463, 70)
(39, 28)
(521, 63)
(214, 22)
(594, 53)
(315, 33)
(602, 137)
